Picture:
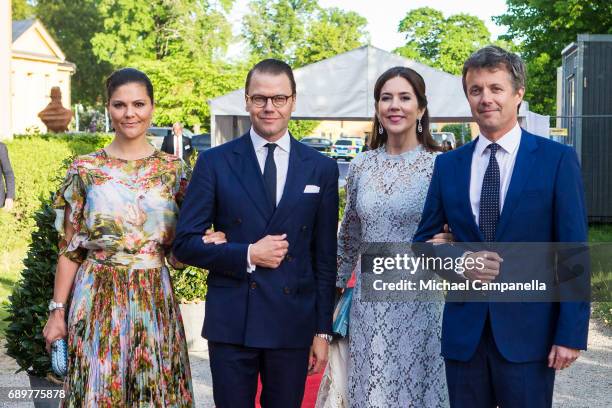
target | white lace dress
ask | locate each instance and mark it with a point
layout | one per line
(394, 347)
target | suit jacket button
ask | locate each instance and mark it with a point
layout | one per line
(289, 258)
(238, 220)
(286, 291)
(304, 228)
(253, 285)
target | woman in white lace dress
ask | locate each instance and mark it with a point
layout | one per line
(394, 347)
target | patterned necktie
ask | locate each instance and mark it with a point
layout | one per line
(489, 197)
(269, 174)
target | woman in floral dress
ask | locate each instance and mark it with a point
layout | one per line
(116, 214)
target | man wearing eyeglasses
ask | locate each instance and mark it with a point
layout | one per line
(271, 286)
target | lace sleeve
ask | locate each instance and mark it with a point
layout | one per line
(349, 236)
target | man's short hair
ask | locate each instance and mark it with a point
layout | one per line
(493, 56)
(274, 67)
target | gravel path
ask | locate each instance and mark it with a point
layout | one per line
(586, 384)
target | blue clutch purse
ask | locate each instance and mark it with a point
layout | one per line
(59, 357)
(342, 312)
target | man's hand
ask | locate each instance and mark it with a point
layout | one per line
(8, 204)
(214, 237)
(482, 266)
(318, 355)
(445, 237)
(562, 357)
(269, 251)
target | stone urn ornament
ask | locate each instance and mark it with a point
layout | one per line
(55, 116)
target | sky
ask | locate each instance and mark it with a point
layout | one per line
(384, 15)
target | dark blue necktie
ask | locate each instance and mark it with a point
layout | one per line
(489, 197)
(269, 174)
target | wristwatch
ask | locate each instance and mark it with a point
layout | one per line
(327, 337)
(55, 305)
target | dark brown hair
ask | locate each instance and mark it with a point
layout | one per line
(127, 76)
(418, 84)
(274, 67)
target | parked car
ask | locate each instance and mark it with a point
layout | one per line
(441, 137)
(346, 148)
(318, 143)
(201, 142)
(156, 135)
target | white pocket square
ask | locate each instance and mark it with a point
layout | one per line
(311, 189)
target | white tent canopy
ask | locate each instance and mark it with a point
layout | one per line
(341, 88)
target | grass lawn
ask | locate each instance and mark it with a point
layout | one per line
(10, 270)
(602, 284)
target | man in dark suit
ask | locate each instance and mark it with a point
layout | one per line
(271, 286)
(7, 177)
(177, 144)
(507, 186)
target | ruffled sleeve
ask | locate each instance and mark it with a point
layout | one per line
(182, 181)
(71, 194)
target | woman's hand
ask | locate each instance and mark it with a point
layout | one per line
(214, 237)
(55, 328)
(445, 237)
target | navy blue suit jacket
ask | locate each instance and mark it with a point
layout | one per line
(269, 308)
(544, 203)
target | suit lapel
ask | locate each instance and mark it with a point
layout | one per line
(244, 164)
(297, 175)
(464, 174)
(525, 158)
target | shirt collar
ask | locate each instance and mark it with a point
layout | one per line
(508, 142)
(284, 143)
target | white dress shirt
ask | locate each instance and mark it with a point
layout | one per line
(178, 145)
(506, 157)
(281, 159)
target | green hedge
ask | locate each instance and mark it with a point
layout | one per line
(38, 162)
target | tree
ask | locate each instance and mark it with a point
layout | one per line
(73, 28)
(334, 31)
(21, 10)
(422, 28)
(154, 30)
(302, 128)
(300, 32)
(275, 29)
(183, 87)
(443, 43)
(544, 28)
(175, 42)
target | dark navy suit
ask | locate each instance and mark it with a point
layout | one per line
(263, 321)
(544, 203)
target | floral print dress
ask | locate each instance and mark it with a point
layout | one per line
(126, 343)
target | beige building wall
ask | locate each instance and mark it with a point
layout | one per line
(31, 84)
(335, 129)
(37, 65)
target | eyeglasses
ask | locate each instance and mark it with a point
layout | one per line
(277, 100)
